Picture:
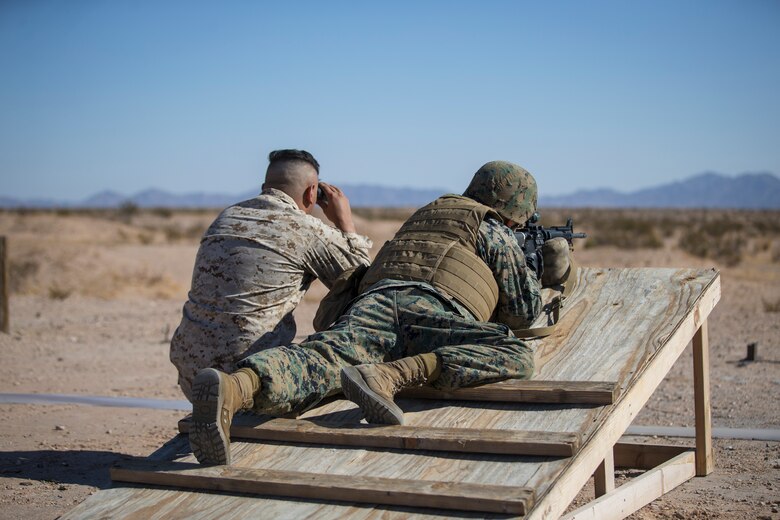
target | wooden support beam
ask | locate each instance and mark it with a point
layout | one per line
(608, 432)
(638, 492)
(344, 488)
(522, 391)
(4, 290)
(705, 461)
(604, 477)
(644, 456)
(504, 442)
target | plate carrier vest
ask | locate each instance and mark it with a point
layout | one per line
(437, 245)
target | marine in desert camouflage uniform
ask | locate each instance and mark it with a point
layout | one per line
(437, 307)
(254, 264)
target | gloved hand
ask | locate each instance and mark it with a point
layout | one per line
(555, 253)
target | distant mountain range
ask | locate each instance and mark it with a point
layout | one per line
(706, 190)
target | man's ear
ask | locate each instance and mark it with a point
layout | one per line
(310, 196)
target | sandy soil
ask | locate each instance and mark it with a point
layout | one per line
(96, 298)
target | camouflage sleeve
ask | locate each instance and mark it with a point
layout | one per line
(333, 251)
(519, 291)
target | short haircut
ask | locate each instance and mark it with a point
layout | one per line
(293, 155)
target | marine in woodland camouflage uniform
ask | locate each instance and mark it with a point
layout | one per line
(394, 319)
(254, 264)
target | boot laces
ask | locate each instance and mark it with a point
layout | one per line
(414, 377)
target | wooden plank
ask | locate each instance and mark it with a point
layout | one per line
(705, 461)
(571, 479)
(345, 488)
(638, 492)
(463, 440)
(4, 318)
(644, 456)
(613, 326)
(604, 477)
(521, 391)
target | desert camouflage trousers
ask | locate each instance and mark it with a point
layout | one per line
(384, 325)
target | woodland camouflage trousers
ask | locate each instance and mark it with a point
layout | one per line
(385, 325)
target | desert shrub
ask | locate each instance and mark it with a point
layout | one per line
(384, 213)
(20, 272)
(624, 232)
(58, 293)
(126, 211)
(173, 233)
(771, 306)
(775, 253)
(145, 238)
(667, 225)
(190, 233)
(162, 212)
(711, 241)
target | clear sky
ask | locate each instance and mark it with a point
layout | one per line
(191, 96)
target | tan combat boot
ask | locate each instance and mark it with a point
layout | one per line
(216, 397)
(373, 386)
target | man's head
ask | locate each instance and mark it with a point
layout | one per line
(294, 172)
(505, 187)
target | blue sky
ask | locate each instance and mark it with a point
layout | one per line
(191, 96)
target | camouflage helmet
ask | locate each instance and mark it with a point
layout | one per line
(505, 187)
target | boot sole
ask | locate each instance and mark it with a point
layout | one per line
(376, 409)
(209, 442)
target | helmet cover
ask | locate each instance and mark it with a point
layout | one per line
(507, 188)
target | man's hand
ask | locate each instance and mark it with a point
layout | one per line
(336, 208)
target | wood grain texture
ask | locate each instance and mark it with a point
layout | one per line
(624, 326)
(461, 440)
(638, 492)
(639, 388)
(373, 490)
(521, 391)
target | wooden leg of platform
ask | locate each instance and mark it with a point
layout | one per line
(604, 477)
(701, 391)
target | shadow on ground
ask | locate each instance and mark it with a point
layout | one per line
(82, 467)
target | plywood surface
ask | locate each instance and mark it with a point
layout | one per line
(463, 440)
(615, 327)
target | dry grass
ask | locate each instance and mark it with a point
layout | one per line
(149, 252)
(725, 236)
(373, 214)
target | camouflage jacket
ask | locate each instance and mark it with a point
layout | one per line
(254, 264)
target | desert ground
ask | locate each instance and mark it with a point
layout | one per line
(96, 295)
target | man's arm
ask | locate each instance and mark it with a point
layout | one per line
(519, 291)
(335, 250)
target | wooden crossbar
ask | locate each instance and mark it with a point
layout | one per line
(345, 488)
(521, 391)
(645, 456)
(464, 440)
(640, 491)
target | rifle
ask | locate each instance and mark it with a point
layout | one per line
(532, 237)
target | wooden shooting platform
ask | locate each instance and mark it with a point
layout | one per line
(516, 448)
